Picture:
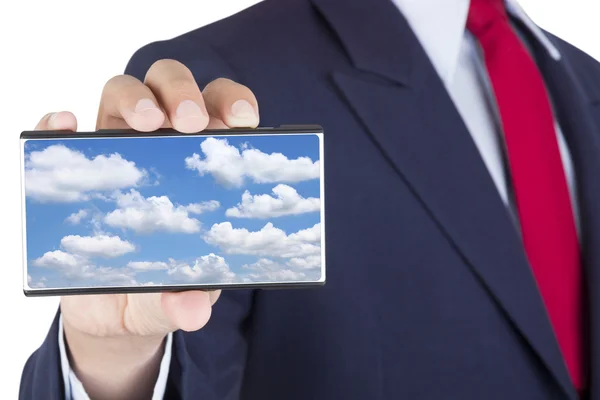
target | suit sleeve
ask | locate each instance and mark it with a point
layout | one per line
(42, 376)
(208, 364)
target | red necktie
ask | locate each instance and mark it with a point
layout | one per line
(540, 187)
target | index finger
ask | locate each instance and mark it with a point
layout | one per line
(128, 103)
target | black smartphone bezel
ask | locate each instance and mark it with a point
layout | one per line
(165, 132)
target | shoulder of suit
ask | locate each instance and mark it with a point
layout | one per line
(253, 33)
(264, 20)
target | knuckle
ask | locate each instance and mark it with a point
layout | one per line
(164, 63)
(109, 84)
(221, 86)
(217, 84)
(168, 66)
(183, 87)
(114, 84)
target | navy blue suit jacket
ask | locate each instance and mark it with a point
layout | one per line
(429, 294)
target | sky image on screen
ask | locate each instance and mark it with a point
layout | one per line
(172, 210)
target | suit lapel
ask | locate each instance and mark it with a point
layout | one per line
(408, 113)
(574, 110)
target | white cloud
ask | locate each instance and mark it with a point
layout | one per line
(309, 235)
(96, 246)
(229, 167)
(265, 270)
(76, 218)
(267, 242)
(310, 262)
(286, 201)
(60, 174)
(147, 215)
(77, 268)
(59, 259)
(70, 265)
(36, 284)
(206, 206)
(113, 276)
(206, 269)
(148, 265)
(96, 224)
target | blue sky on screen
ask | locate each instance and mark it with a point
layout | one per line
(172, 210)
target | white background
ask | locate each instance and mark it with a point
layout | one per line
(56, 55)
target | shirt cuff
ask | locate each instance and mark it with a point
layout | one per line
(74, 390)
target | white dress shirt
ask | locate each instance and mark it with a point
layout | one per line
(440, 27)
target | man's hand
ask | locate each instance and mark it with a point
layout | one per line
(116, 341)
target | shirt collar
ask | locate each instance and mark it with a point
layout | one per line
(440, 25)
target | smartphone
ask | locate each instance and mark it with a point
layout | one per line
(119, 211)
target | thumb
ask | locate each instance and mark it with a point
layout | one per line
(161, 313)
(58, 121)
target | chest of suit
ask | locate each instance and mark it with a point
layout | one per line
(423, 260)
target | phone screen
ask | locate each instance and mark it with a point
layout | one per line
(239, 210)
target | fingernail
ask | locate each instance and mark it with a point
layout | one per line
(189, 117)
(243, 110)
(145, 106)
(189, 109)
